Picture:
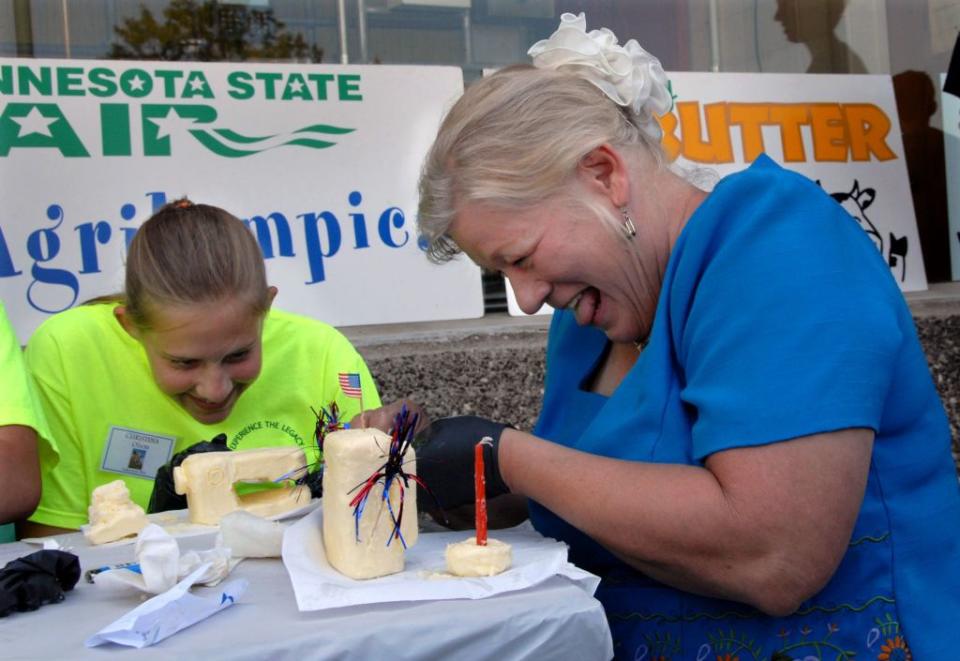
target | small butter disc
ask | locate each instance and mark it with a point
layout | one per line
(467, 558)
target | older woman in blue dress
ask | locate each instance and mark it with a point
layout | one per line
(740, 433)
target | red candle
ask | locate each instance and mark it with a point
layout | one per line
(480, 486)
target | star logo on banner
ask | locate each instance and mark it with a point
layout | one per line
(296, 86)
(34, 122)
(171, 123)
(196, 85)
(137, 83)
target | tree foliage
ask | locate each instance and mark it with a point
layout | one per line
(207, 30)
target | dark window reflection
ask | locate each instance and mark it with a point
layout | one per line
(923, 146)
(813, 23)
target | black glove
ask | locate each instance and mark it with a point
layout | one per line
(164, 497)
(313, 481)
(445, 461)
(40, 578)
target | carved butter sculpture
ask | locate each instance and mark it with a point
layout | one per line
(467, 558)
(351, 456)
(112, 514)
(208, 481)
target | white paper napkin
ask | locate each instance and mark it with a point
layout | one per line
(158, 564)
(167, 613)
(318, 585)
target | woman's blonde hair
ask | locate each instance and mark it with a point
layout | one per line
(190, 253)
(515, 138)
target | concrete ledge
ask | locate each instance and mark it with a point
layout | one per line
(435, 335)
(941, 299)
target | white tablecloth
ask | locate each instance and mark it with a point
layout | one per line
(553, 620)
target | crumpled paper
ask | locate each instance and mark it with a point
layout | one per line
(159, 565)
(167, 613)
(317, 585)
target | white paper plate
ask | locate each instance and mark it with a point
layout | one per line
(298, 512)
(177, 523)
(317, 585)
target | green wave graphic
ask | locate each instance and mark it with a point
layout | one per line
(325, 128)
(216, 143)
(233, 136)
(218, 148)
(310, 142)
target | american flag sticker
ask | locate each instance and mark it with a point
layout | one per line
(350, 384)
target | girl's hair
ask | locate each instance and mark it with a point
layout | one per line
(190, 253)
(515, 138)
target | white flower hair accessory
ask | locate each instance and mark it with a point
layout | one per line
(629, 75)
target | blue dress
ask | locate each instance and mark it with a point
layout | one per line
(777, 319)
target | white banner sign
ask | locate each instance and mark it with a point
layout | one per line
(839, 130)
(320, 161)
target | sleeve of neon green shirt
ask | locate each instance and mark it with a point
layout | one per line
(19, 405)
(63, 502)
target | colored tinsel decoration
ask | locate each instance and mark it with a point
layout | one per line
(328, 420)
(390, 472)
(311, 475)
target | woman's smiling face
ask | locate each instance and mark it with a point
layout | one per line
(556, 253)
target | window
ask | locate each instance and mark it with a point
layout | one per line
(910, 39)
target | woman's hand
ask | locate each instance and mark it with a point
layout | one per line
(383, 417)
(504, 511)
(445, 461)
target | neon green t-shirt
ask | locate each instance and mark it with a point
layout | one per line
(112, 421)
(18, 403)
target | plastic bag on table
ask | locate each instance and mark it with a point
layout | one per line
(37, 579)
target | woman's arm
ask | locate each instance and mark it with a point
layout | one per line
(763, 525)
(19, 472)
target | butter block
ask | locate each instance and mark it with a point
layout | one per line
(467, 558)
(350, 457)
(208, 479)
(112, 514)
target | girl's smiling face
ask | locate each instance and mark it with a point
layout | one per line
(203, 355)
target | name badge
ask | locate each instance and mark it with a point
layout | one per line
(137, 453)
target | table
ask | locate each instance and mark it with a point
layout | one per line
(553, 620)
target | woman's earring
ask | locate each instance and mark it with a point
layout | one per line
(629, 229)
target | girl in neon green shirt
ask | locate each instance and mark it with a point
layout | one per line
(190, 350)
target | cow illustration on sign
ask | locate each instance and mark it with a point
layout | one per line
(856, 201)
